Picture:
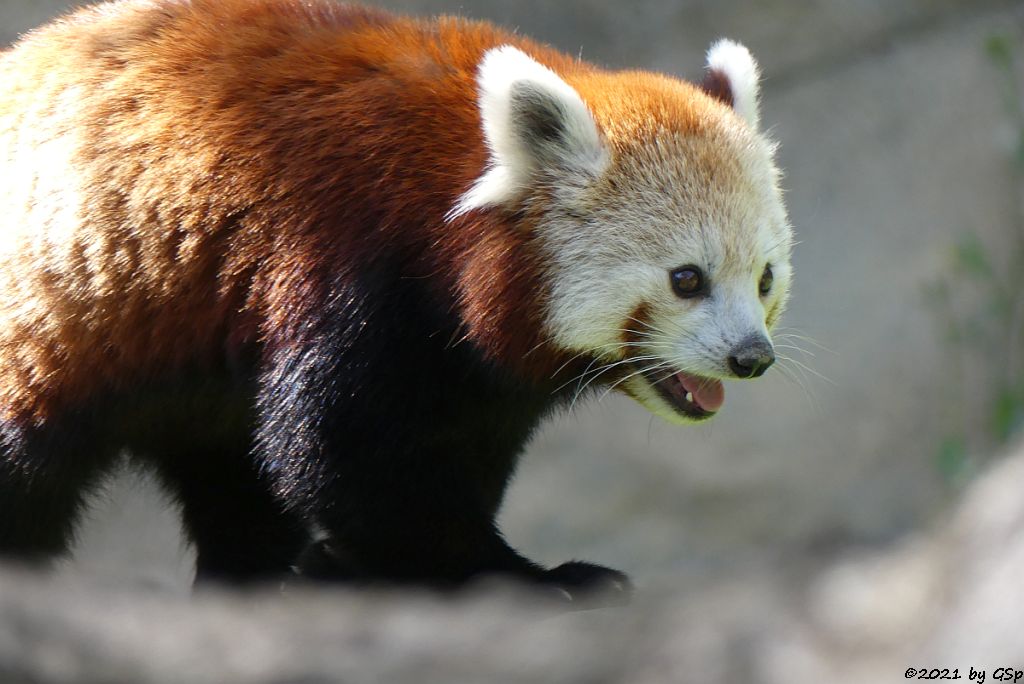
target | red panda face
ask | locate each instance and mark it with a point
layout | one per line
(666, 246)
(673, 268)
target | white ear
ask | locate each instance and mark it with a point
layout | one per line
(533, 122)
(732, 76)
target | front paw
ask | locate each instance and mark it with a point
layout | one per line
(586, 585)
(320, 562)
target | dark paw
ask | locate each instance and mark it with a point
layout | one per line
(321, 563)
(586, 585)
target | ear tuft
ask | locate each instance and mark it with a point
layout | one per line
(533, 121)
(732, 76)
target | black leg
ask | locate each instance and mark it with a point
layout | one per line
(422, 521)
(396, 445)
(395, 534)
(447, 553)
(44, 476)
(240, 532)
(408, 539)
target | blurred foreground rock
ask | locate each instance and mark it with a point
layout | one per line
(948, 599)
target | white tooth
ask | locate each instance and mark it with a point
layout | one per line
(689, 397)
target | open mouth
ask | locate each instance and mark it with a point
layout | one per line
(694, 396)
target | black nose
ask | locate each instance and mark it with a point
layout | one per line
(752, 357)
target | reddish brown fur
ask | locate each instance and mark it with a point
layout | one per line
(234, 155)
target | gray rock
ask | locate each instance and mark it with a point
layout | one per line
(949, 598)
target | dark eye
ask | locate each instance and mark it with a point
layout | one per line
(765, 285)
(687, 282)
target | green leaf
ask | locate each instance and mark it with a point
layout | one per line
(1007, 414)
(999, 49)
(952, 458)
(970, 256)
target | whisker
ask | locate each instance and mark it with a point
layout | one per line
(633, 374)
(796, 348)
(602, 368)
(805, 367)
(581, 389)
(611, 345)
(809, 395)
(795, 334)
(647, 324)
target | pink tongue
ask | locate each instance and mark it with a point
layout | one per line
(707, 392)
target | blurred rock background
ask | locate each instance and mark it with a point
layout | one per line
(941, 605)
(898, 134)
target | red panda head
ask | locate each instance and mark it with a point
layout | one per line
(657, 208)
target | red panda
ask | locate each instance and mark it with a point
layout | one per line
(326, 268)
